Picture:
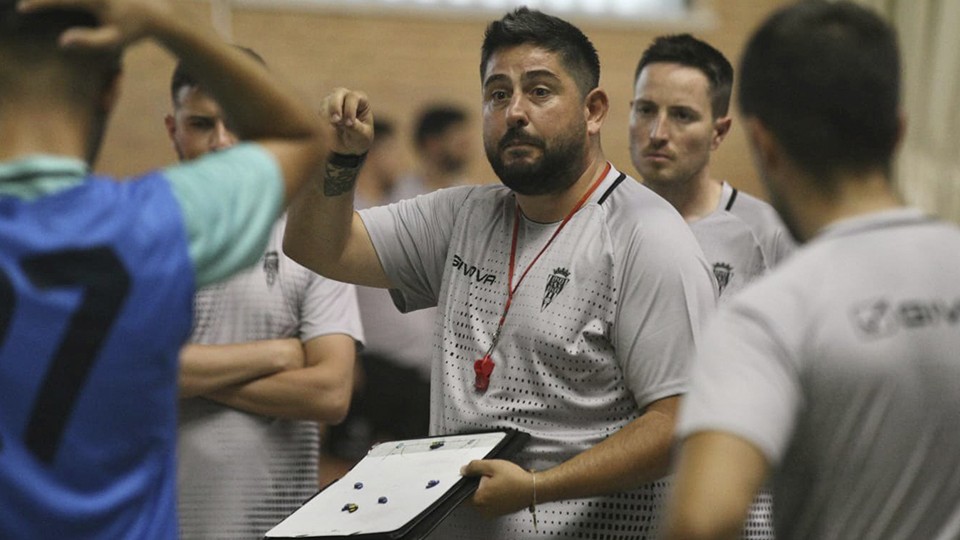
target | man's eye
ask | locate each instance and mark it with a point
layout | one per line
(644, 109)
(498, 96)
(201, 124)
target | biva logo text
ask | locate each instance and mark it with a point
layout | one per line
(471, 271)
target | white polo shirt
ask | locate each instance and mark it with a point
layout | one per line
(604, 324)
(842, 368)
(742, 239)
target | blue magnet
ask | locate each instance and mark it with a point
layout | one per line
(382, 500)
(358, 485)
(432, 483)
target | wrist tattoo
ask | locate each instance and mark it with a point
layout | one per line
(338, 180)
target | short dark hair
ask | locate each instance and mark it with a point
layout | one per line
(43, 27)
(825, 79)
(525, 26)
(32, 38)
(435, 120)
(181, 78)
(689, 51)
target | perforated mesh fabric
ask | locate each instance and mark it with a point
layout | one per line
(241, 473)
(602, 326)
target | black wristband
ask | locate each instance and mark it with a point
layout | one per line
(346, 161)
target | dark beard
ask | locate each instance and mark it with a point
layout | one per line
(561, 165)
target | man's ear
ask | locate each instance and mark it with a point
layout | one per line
(171, 124)
(597, 104)
(721, 126)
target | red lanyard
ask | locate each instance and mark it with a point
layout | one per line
(483, 367)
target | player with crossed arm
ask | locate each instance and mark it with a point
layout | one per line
(97, 276)
(271, 354)
(835, 375)
(601, 283)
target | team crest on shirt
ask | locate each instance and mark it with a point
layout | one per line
(271, 266)
(558, 279)
(723, 272)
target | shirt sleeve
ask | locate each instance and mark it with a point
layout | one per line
(745, 382)
(330, 307)
(783, 245)
(229, 200)
(411, 238)
(667, 295)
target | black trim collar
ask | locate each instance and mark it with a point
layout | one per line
(611, 188)
(733, 197)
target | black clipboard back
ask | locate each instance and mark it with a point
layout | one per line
(401, 490)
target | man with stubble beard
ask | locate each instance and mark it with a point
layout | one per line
(570, 298)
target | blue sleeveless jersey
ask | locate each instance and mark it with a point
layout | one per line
(96, 287)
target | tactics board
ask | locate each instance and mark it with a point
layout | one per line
(401, 489)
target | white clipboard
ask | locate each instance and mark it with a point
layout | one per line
(399, 490)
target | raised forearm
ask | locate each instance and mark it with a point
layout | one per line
(324, 233)
(256, 105)
(320, 221)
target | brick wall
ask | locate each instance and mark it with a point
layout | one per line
(403, 62)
